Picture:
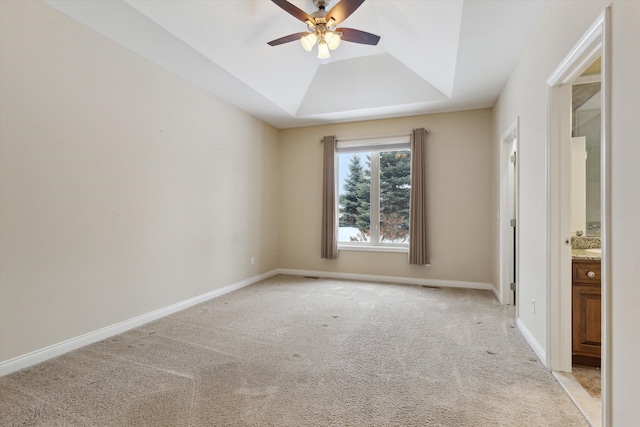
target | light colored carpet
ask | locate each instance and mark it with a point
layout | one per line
(292, 351)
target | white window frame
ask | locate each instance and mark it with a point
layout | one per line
(374, 146)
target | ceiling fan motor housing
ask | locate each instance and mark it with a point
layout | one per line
(321, 4)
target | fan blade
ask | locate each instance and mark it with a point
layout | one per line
(294, 11)
(343, 10)
(357, 36)
(286, 39)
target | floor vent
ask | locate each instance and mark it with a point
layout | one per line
(431, 287)
(310, 277)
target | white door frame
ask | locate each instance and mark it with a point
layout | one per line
(594, 44)
(505, 234)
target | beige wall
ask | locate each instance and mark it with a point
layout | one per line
(524, 96)
(124, 189)
(459, 186)
(625, 215)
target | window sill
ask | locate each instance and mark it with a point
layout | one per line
(372, 248)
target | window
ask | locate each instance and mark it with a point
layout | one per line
(373, 193)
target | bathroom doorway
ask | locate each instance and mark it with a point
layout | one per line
(586, 245)
(578, 232)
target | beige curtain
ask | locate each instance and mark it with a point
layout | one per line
(418, 252)
(329, 239)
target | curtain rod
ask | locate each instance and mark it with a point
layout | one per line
(358, 138)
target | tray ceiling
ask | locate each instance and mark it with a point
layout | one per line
(433, 56)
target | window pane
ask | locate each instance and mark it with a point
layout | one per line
(354, 197)
(395, 189)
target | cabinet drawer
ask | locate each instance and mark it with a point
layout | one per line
(586, 271)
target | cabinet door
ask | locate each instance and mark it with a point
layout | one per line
(586, 320)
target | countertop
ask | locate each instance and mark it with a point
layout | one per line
(583, 254)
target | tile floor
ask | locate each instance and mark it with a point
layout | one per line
(589, 378)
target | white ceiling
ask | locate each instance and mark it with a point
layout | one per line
(433, 56)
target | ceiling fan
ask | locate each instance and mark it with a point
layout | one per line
(322, 26)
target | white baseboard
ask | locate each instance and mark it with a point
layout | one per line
(391, 279)
(533, 343)
(60, 348)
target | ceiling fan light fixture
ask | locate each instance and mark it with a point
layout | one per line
(332, 39)
(323, 50)
(322, 27)
(308, 41)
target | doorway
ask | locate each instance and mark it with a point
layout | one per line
(509, 215)
(563, 230)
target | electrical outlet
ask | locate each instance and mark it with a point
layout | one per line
(533, 306)
(253, 260)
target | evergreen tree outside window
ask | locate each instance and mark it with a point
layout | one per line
(373, 194)
(351, 200)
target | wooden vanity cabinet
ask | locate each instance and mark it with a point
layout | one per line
(586, 312)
